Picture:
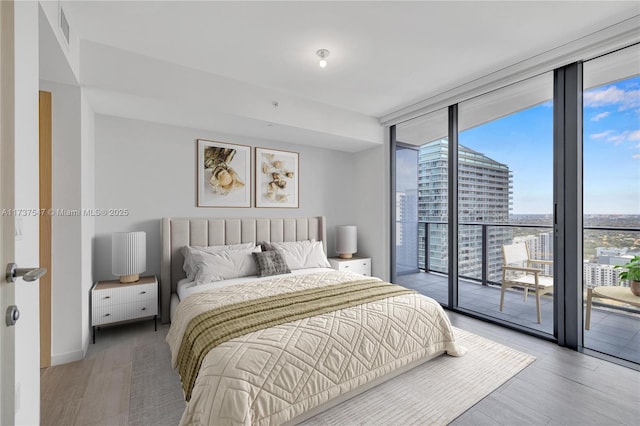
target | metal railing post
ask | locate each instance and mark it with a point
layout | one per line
(485, 254)
(426, 246)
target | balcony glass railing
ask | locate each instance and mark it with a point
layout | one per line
(604, 247)
(613, 323)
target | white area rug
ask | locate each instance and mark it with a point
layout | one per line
(434, 393)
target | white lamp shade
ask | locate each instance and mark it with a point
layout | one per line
(346, 240)
(128, 255)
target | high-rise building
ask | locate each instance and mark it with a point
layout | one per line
(406, 231)
(401, 207)
(596, 274)
(540, 247)
(484, 196)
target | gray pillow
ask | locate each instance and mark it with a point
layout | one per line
(270, 263)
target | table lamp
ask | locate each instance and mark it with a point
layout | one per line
(128, 255)
(346, 241)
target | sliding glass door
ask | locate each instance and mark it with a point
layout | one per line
(505, 204)
(611, 147)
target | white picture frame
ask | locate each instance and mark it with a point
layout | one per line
(223, 174)
(277, 177)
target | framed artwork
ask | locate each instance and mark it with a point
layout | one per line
(277, 176)
(223, 174)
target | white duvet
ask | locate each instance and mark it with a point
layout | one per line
(275, 375)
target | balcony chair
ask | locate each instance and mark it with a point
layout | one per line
(518, 272)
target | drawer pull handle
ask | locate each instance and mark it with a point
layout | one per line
(107, 297)
(106, 315)
(143, 292)
(346, 266)
(144, 309)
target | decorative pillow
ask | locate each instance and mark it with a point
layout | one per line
(302, 254)
(270, 263)
(223, 265)
(189, 267)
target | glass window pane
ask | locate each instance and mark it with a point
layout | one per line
(611, 178)
(406, 211)
(428, 133)
(505, 202)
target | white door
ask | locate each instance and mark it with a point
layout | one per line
(7, 291)
(7, 299)
(19, 343)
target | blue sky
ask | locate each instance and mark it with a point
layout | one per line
(611, 137)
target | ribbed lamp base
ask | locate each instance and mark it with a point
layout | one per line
(345, 255)
(126, 279)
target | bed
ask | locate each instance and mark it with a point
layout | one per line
(347, 334)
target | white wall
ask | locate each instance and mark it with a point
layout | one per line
(149, 169)
(66, 253)
(27, 342)
(73, 187)
(71, 52)
(371, 183)
(88, 187)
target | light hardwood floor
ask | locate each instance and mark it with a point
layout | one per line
(561, 387)
(96, 390)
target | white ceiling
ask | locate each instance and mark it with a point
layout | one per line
(385, 55)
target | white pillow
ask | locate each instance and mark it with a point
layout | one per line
(189, 267)
(223, 265)
(302, 254)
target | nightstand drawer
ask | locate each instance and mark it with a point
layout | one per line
(357, 265)
(125, 294)
(358, 269)
(125, 311)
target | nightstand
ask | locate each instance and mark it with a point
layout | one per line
(359, 265)
(113, 302)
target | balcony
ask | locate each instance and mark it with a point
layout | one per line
(615, 328)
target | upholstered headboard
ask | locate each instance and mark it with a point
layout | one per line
(179, 232)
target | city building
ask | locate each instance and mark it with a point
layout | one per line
(612, 255)
(485, 194)
(596, 274)
(540, 247)
(406, 231)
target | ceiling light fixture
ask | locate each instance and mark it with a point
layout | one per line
(323, 54)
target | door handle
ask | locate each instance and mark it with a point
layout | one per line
(27, 274)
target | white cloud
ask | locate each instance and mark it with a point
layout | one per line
(617, 138)
(600, 116)
(601, 135)
(635, 156)
(612, 96)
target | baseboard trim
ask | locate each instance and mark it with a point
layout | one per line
(68, 357)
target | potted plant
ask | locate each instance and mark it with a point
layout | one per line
(632, 274)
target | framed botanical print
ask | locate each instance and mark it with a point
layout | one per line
(277, 176)
(223, 174)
